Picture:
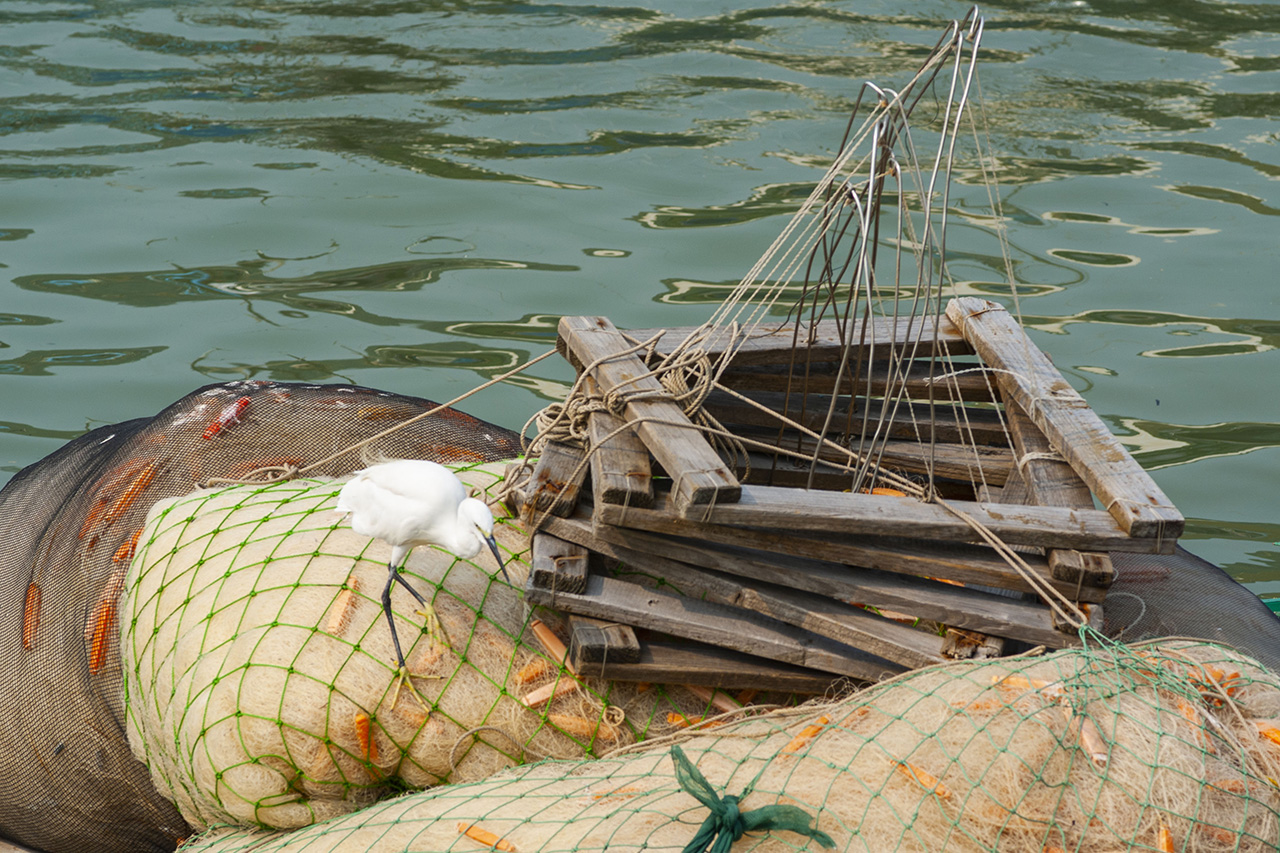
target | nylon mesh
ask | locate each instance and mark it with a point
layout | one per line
(69, 782)
(1171, 747)
(261, 684)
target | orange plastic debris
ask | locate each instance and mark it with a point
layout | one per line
(675, 718)
(556, 649)
(549, 691)
(722, 702)
(1269, 732)
(1050, 689)
(1231, 786)
(31, 616)
(532, 671)
(1091, 740)
(857, 714)
(103, 621)
(1192, 716)
(582, 727)
(485, 837)
(364, 734)
(124, 553)
(131, 494)
(807, 734)
(924, 779)
(1222, 836)
(344, 605)
(624, 791)
(980, 704)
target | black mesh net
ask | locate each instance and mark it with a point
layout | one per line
(70, 523)
(1182, 595)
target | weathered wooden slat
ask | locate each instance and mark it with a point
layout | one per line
(974, 464)
(717, 624)
(923, 597)
(778, 470)
(1014, 491)
(907, 420)
(697, 663)
(1073, 429)
(556, 564)
(813, 612)
(918, 379)
(1052, 482)
(775, 508)
(557, 480)
(594, 641)
(698, 475)
(772, 344)
(620, 470)
(845, 624)
(952, 605)
(968, 564)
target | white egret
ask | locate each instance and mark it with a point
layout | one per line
(411, 502)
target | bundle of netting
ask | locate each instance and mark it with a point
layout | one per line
(261, 680)
(1163, 747)
(70, 523)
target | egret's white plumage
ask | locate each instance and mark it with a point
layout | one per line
(412, 502)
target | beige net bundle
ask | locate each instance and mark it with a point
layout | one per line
(261, 680)
(1163, 747)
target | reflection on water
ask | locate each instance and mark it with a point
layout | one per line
(41, 362)
(226, 187)
(484, 360)
(248, 279)
(1245, 336)
(1158, 445)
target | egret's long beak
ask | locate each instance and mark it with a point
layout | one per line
(493, 546)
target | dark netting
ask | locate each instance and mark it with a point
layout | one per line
(1184, 596)
(69, 524)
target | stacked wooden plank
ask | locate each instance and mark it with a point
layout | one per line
(680, 568)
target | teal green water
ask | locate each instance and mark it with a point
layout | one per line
(408, 195)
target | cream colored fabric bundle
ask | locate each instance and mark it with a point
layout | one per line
(260, 672)
(964, 757)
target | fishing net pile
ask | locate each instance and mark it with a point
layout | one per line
(1158, 747)
(70, 524)
(261, 683)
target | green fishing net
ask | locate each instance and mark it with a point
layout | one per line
(1160, 747)
(261, 683)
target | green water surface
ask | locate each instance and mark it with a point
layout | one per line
(408, 195)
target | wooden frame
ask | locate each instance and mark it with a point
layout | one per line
(770, 570)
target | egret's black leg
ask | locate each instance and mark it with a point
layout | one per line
(391, 622)
(404, 583)
(402, 673)
(434, 629)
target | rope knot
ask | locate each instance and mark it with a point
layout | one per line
(727, 822)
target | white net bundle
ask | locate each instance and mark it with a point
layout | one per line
(261, 680)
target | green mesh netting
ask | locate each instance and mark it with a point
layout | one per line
(261, 682)
(69, 523)
(1163, 747)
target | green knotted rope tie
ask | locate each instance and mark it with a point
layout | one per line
(726, 824)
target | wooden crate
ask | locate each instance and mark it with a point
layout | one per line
(787, 567)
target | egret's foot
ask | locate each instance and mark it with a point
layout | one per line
(435, 630)
(405, 679)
